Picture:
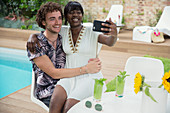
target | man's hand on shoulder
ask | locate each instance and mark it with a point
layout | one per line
(32, 41)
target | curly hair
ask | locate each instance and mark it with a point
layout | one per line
(46, 8)
(72, 5)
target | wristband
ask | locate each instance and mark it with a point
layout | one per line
(86, 69)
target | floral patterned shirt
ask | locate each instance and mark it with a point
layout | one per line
(45, 84)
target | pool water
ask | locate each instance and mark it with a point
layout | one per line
(15, 70)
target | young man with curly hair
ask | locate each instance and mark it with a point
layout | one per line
(48, 58)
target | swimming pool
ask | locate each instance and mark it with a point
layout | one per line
(15, 70)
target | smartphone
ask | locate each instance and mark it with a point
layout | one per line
(97, 25)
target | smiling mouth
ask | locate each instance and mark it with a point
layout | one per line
(75, 20)
(56, 26)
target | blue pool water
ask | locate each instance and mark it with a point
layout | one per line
(15, 70)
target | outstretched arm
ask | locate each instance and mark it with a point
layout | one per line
(111, 37)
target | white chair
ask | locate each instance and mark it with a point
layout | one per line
(33, 97)
(143, 33)
(116, 13)
(163, 24)
(151, 68)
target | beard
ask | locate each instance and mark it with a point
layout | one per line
(52, 31)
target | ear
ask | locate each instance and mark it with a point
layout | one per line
(43, 23)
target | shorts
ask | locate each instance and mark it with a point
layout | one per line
(78, 88)
(46, 101)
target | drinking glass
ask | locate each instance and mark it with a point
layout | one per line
(98, 87)
(120, 86)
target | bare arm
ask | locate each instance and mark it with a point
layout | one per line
(45, 64)
(111, 37)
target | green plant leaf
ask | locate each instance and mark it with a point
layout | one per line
(124, 72)
(30, 27)
(145, 84)
(111, 86)
(125, 76)
(149, 94)
(23, 27)
(160, 86)
(122, 75)
(100, 81)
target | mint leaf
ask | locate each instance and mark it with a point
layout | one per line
(123, 74)
(100, 81)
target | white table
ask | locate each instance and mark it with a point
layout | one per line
(112, 104)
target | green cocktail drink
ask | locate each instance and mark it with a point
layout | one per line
(120, 87)
(98, 87)
(120, 83)
(98, 90)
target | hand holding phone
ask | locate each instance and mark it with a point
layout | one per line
(97, 25)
